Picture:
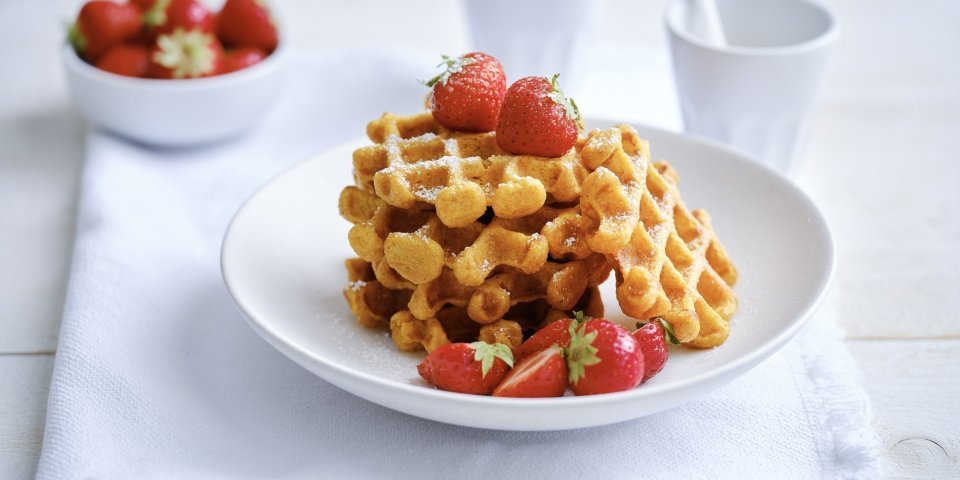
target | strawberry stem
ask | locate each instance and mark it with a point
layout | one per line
(157, 15)
(76, 38)
(668, 333)
(570, 106)
(452, 65)
(581, 353)
(486, 353)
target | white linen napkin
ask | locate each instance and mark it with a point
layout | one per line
(158, 376)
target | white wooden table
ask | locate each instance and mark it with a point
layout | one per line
(881, 162)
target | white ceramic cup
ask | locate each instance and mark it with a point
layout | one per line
(757, 91)
(535, 38)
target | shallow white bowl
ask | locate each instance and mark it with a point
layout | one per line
(282, 261)
(176, 112)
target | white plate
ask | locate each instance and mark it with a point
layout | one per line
(283, 254)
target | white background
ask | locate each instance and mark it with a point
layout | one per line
(879, 162)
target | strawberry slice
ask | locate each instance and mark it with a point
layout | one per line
(543, 374)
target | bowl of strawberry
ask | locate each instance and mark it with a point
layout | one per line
(174, 72)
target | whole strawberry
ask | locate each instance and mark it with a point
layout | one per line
(241, 58)
(603, 357)
(537, 119)
(652, 338)
(102, 25)
(468, 94)
(475, 368)
(185, 54)
(556, 333)
(543, 374)
(163, 17)
(247, 23)
(128, 59)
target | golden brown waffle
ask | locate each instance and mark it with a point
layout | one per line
(412, 247)
(459, 241)
(560, 284)
(371, 302)
(416, 163)
(508, 303)
(453, 324)
(674, 266)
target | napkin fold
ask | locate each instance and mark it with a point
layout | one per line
(158, 376)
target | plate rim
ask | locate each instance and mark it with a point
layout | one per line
(735, 367)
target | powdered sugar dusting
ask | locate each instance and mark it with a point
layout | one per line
(428, 194)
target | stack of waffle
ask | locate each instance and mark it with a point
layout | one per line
(459, 241)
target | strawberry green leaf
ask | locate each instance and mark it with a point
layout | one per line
(486, 353)
(451, 65)
(668, 333)
(570, 106)
(581, 353)
(157, 15)
(76, 38)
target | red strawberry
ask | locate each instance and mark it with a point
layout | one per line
(537, 119)
(130, 60)
(241, 58)
(603, 358)
(163, 17)
(468, 94)
(543, 374)
(101, 25)
(247, 23)
(185, 54)
(476, 367)
(652, 339)
(556, 333)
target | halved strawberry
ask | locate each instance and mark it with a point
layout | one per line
(476, 367)
(603, 358)
(185, 54)
(102, 25)
(543, 374)
(537, 119)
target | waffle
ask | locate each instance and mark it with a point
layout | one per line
(416, 244)
(674, 267)
(459, 241)
(560, 284)
(453, 324)
(417, 164)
